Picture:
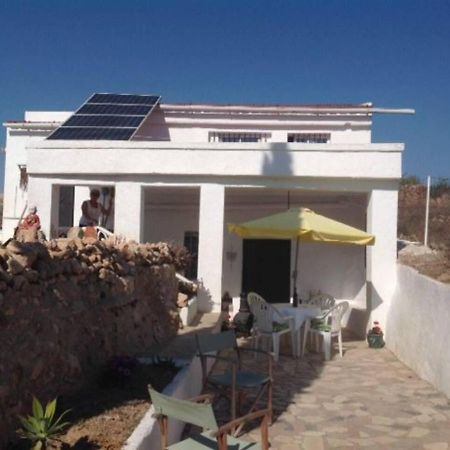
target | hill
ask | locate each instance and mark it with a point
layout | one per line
(435, 261)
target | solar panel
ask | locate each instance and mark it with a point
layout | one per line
(114, 117)
(103, 121)
(124, 99)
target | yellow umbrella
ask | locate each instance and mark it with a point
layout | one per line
(301, 224)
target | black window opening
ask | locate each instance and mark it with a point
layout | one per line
(191, 243)
(216, 136)
(309, 138)
(66, 206)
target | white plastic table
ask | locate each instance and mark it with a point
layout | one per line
(301, 315)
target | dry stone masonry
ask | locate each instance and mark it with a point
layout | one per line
(67, 306)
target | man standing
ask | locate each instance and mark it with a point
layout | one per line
(92, 210)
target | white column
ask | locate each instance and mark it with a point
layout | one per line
(45, 196)
(80, 194)
(210, 246)
(382, 257)
(129, 211)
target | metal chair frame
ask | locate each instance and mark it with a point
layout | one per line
(206, 344)
(198, 411)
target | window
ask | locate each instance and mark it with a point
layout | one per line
(66, 205)
(191, 243)
(309, 138)
(215, 136)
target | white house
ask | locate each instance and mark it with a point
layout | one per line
(182, 171)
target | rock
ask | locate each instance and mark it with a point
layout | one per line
(14, 247)
(32, 276)
(38, 368)
(76, 266)
(89, 240)
(27, 235)
(74, 364)
(19, 282)
(182, 300)
(5, 276)
(26, 260)
(74, 232)
(14, 267)
(444, 277)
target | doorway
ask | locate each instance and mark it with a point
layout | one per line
(267, 268)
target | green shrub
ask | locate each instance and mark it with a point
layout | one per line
(42, 427)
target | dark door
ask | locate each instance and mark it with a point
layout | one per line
(267, 268)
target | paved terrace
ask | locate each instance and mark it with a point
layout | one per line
(367, 399)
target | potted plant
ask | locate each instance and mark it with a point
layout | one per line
(375, 336)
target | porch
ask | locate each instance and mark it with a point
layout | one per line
(195, 215)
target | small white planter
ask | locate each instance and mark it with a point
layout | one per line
(188, 313)
(186, 384)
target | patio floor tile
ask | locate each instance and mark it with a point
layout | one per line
(367, 399)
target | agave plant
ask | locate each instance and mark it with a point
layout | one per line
(42, 426)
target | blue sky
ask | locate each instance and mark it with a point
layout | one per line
(54, 54)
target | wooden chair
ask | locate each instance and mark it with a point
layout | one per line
(268, 321)
(198, 411)
(329, 326)
(235, 382)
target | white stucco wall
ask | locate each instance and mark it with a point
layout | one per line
(418, 324)
(15, 198)
(369, 161)
(381, 258)
(184, 126)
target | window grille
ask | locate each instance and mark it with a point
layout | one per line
(309, 138)
(215, 136)
(191, 243)
(23, 180)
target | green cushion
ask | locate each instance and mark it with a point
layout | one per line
(279, 326)
(243, 379)
(205, 442)
(320, 325)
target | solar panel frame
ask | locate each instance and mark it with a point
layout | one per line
(102, 117)
(126, 99)
(86, 133)
(104, 121)
(113, 110)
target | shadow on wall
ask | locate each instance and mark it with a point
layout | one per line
(155, 128)
(374, 300)
(277, 161)
(204, 296)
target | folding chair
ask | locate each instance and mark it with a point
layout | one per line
(198, 411)
(234, 381)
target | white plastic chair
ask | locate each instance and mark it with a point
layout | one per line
(321, 300)
(268, 321)
(329, 326)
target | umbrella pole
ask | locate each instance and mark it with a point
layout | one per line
(295, 295)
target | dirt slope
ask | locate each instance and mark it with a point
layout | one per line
(411, 224)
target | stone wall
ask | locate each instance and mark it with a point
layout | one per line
(68, 306)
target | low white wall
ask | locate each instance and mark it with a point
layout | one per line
(186, 384)
(418, 323)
